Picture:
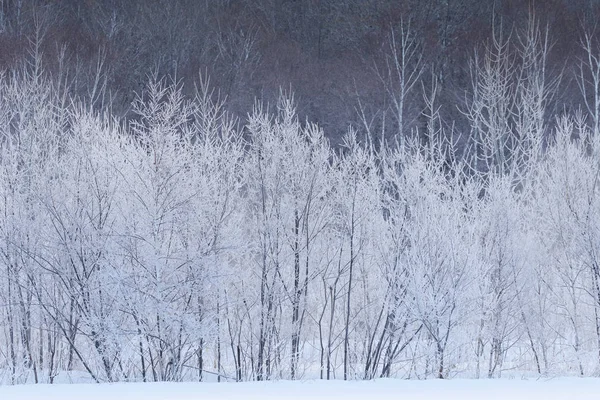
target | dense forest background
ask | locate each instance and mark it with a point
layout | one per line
(255, 190)
(333, 54)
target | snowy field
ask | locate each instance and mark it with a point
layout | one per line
(559, 389)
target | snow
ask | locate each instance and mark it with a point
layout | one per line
(550, 389)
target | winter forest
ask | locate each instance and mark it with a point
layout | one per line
(169, 217)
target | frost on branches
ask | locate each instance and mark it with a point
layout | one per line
(178, 242)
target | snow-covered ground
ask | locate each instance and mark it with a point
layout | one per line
(552, 389)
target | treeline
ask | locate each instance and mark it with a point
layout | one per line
(181, 241)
